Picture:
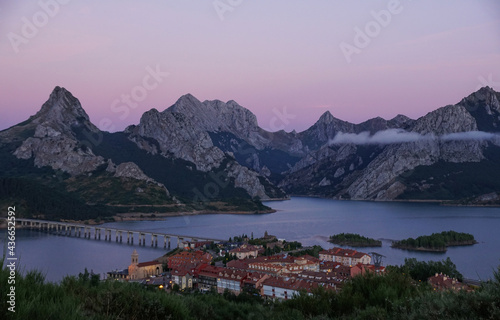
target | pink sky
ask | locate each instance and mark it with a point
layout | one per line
(269, 56)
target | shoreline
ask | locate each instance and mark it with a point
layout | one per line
(356, 245)
(120, 217)
(161, 216)
(447, 203)
(437, 250)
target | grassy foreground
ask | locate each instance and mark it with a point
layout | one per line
(392, 296)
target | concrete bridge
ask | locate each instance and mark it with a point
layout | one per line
(98, 232)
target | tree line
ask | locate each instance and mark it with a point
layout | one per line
(354, 240)
(436, 241)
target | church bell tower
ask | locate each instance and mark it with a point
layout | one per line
(135, 257)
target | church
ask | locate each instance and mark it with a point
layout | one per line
(143, 270)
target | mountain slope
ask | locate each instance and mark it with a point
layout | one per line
(382, 169)
(212, 155)
(62, 150)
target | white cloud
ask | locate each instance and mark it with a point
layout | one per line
(391, 136)
(470, 135)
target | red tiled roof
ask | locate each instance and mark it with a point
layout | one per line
(339, 252)
(245, 248)
(443, 282)
(292, 284)
(232, 274)
(238, 264)
(148, 263)
(210, 271)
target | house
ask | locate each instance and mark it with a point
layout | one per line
(371, 268)
(231, 280)
(346, 272)
(245, 251)
(143, 270)
(188, 257)
(254, 281)
(239, 264)
(442, 282)
(346, 257)
(195, 244)
(285, 288)
(283, 264)
(207, 277)
(266, 267)
(183, 277)
(325, 279)
(118, 274)
(327, 266)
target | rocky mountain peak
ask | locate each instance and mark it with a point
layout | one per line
(62, 111)
(326, 117)
(484, 106)
(185, 104)
(401, 118)
(485, 97)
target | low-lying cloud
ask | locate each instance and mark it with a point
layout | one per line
(392, 136)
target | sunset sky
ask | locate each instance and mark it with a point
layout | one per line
(357, 59)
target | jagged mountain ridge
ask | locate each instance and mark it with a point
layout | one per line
(60, 140)
(211, 139)
(342, 171)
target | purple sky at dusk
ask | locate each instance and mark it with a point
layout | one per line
(269, 56)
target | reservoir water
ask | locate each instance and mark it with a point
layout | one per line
(307, 220)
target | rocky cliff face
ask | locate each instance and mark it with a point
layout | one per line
(184, 131)
(54, 143)
(179, 135)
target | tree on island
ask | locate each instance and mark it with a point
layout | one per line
(354, 240)
(436, 241)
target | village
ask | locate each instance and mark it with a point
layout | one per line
(269, 267)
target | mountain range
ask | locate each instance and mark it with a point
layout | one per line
(213, 156)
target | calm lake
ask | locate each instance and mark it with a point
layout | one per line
(307, 220)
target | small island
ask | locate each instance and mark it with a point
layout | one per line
(436, 242)
(354, 240)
